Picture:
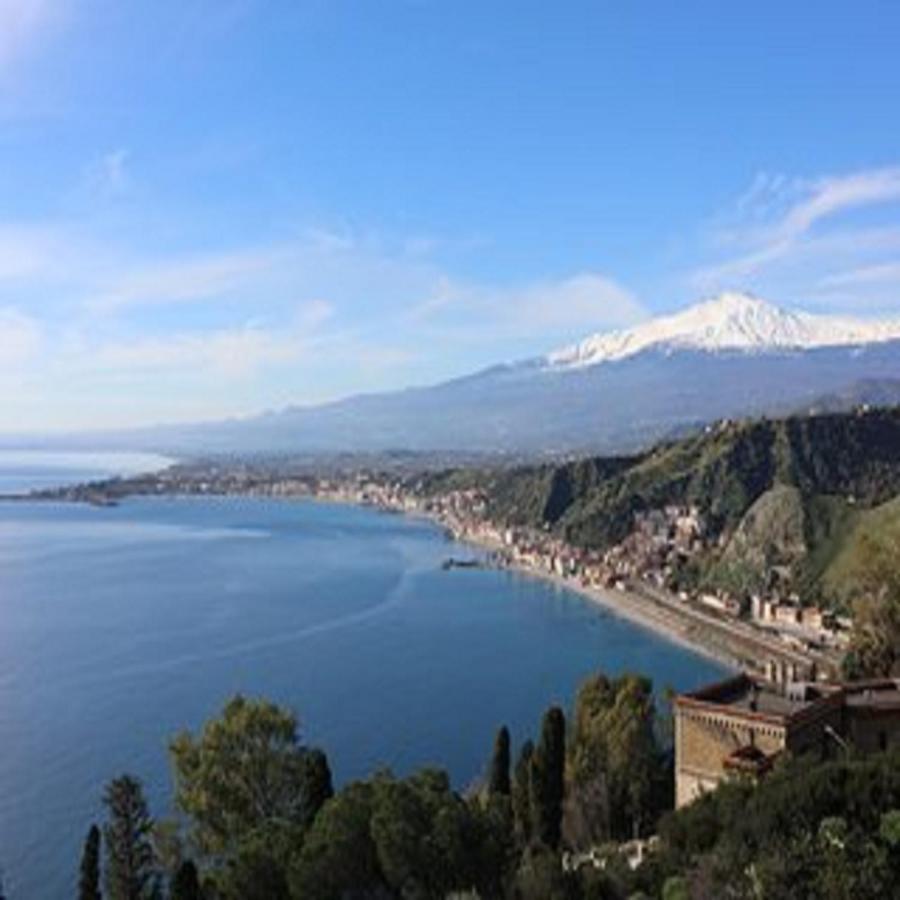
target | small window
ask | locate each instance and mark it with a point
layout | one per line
(882, 740)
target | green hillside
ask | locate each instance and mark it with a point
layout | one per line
(791, 493)
(841, 573)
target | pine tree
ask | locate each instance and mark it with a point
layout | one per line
(547, 778)
(89, 880)
(130, 865)
(317, 786)
(499, 780)
(185, 884)
(521, 793)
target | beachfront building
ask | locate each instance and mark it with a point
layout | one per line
(740, 726)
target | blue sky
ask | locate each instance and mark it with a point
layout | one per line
(214, 208)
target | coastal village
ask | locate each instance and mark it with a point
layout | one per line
(776, 636)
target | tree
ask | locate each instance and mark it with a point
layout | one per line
(185, 883)
(255, 874)
(339, 858)
(521, 793)
(316, 784)
(89, 880)
(130, 865)
(547, 778)
(245, 771)
(615, 762)
(499, 781)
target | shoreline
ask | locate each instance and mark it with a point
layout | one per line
(731, 644)
(697, 632)
(624, 604)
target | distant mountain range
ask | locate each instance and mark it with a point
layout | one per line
(733, 356)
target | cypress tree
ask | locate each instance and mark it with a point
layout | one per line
(317, 785)
(130, 866)
(499, 780)
(547, 778)
(521, 793)
(185, 883)
(89, 879)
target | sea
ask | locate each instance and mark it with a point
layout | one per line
(121, 626)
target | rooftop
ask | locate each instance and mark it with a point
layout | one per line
(754, 695)
(874, 695)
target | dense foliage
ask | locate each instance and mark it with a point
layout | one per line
(830, 830)
(809, 830)
(261, 819)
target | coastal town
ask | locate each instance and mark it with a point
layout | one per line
(776, 636)
(773, 634)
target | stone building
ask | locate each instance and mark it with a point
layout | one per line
(741, 725)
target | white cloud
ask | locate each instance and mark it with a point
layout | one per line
(587, 300)
(584, 301)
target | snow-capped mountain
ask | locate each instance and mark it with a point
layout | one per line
(731, 321)
(734, 356)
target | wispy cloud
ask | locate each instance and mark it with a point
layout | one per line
(585, 301)
(108, 176)
(798, 233)
(182, 281)
(885, 273)
(309, 316)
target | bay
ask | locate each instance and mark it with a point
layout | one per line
(120, 626)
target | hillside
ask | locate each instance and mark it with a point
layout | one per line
(791, 495)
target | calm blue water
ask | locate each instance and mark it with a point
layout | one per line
(119, 626)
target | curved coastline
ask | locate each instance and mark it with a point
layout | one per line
(622, 603)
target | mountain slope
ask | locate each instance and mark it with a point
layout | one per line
(729, 358)
(788, 493)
